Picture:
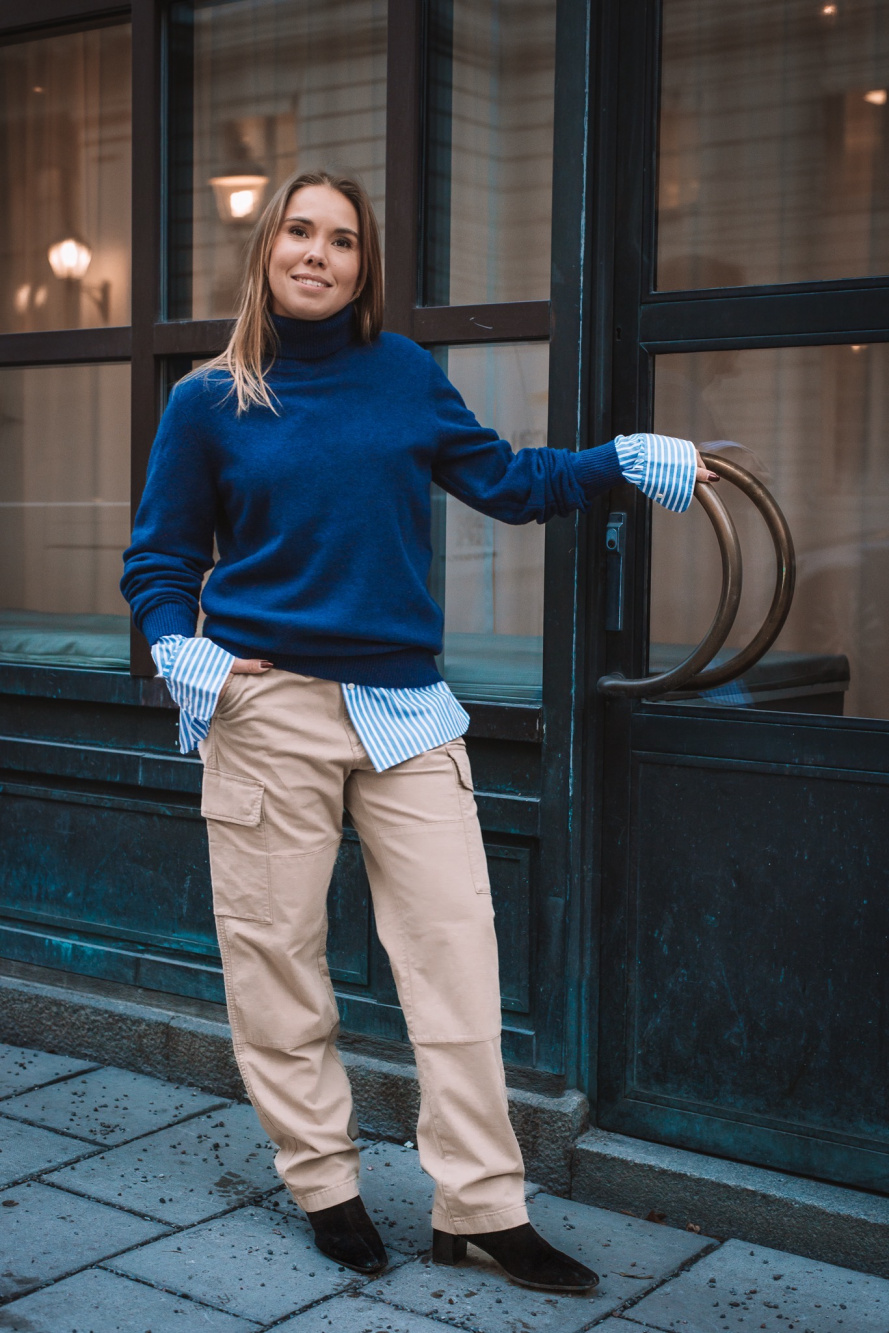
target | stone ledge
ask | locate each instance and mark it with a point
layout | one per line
(151, 1038)
(825, 1222)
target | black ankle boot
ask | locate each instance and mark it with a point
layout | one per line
(346, 1234)
(525, 1256)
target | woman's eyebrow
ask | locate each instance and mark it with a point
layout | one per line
(308, 221)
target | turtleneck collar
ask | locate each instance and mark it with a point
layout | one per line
(312, 339)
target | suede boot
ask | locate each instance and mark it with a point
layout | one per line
(346, 1234)
(523, 1254)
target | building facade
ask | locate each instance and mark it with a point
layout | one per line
(601, 217)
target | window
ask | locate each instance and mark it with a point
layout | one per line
(64, 496)
(444, 111)
(774, 142)
(65, 206)
(263, 88)
(492, 573)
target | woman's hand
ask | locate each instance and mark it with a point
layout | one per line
(702, 472)
(245, 666)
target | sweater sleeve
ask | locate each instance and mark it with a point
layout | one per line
(475, 465)
(172, 545)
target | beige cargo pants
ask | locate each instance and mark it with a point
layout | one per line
(281, 761)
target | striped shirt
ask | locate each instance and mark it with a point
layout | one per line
(396, 724)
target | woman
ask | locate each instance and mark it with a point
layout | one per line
(308, 450)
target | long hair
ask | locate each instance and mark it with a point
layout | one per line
(253, 340)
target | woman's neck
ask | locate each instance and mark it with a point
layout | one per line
(311, 339)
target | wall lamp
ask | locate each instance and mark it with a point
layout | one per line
(69, 260)
(239, 197)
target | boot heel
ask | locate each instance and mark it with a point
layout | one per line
(447, 1249)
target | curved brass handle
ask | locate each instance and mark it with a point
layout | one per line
(688, 674)
(784, 584)
(618, 686)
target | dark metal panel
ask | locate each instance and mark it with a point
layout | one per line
(64, 347)
(746, 319)
(403, 164)
(504, 722)
(509, 321)
(756, 994)
(799, 739)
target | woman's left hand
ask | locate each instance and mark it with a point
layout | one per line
(702, 472)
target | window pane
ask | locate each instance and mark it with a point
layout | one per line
(810, 422)
(64, 496)
(487, 575)
(259, 89)
(65, 161)
(490, 150)
(774, 142)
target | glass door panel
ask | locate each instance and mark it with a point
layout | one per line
(263, 88)
(488, 576)
(773, 142)
(811, 423)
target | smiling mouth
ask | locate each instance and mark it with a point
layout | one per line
(306, 281)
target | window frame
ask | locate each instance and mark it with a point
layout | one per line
(154, 345)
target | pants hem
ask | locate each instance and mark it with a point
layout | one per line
(501, 1220)
(328, 1197)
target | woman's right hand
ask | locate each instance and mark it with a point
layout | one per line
(245, 666)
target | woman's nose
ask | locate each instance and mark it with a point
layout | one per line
(315, 258)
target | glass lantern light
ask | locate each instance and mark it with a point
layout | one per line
(239, 196)
(69, 258)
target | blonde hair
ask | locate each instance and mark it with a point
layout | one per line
(254, 339)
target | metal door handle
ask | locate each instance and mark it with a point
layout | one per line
(691, 672)
(785, 580)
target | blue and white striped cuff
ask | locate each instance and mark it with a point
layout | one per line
(195, 671)
(662, 466)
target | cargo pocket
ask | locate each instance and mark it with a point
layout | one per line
(475, 847)
(239, 862)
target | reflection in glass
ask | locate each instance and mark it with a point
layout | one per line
(489, 150)
(65, 159)
(488, 575)
(811, 423)
(64, 497)
(259, 89)
(774, 142)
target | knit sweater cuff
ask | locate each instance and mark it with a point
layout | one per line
(597, 470)
(168, 618)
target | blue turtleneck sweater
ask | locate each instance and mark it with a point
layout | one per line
(321, 510)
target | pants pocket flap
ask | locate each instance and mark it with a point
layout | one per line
(461, 763)
(232, 799)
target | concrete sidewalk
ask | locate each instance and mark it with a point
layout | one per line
(131, 1205)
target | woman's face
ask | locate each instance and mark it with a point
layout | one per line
(313, 267)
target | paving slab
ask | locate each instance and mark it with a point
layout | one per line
(355, 1313)
(48, 1233)
(398, 1195)
(253, 1262)
(617, 1325)
(100, 1302)
(184, 1174)
(109, 1105)
(26, 1149)
(22, 1068)
(748, 1287)
(629, 1255)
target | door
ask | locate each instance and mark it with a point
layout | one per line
(744, 1004)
